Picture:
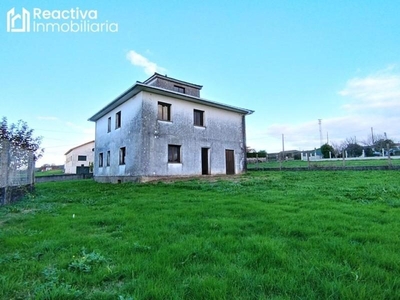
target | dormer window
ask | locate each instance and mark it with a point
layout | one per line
(179, 89)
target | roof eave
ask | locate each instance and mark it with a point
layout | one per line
(138, 87)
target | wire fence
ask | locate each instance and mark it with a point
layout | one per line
(16, 172)
(306, 162)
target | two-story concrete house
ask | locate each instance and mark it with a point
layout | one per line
(78, 157)
(162, 127)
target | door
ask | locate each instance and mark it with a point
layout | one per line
(230, 161)
(205, 162)
(82, 170)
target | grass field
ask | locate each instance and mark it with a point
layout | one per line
(263, 235)
(395, 162)
(49, 173)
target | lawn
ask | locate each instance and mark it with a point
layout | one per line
(49, 173)
(263, 235)
(335, 163)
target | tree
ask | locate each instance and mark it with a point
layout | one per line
(354, 150)
(262, 153)
(325, 149)
(22, 142)
(338, 148)
(383, 144)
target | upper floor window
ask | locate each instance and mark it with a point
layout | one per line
(198, 117)
(81, 157)
(174, 153)
(164, 111)
(109, 125)
(118, 120)
(122, 155)
(179, 89)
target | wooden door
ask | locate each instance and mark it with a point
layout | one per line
(230, 161)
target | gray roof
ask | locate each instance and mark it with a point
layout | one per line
(139, 87)
(165, 77)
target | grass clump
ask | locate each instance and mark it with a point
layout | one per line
(272, 235)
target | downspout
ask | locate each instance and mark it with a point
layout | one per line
(244, 143)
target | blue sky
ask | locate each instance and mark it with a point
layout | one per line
(293, 62)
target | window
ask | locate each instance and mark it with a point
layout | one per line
(122, 154)
(198, 117)
(118, 120)
(100, 160)
(81, 157)
(109, 125)
(108, 159)
(179, 89)
(164, 111)
(174, 154)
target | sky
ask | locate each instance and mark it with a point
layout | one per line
(292, 62)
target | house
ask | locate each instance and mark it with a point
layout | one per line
(79, 158)
(162, 127)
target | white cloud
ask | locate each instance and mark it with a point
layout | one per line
(306, 135)
(377, 91)
(139, 60)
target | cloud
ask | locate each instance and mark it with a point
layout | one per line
(377, 91)
(373, 104)
(306, 135)
(139, 60)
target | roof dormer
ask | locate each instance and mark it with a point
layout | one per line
(172, 84)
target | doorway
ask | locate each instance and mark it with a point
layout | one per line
(230, 162)
(205, 161)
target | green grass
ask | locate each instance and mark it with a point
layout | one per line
(49, 173)
(324, 163)
(263, 235)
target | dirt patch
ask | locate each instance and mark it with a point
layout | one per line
(206, 178)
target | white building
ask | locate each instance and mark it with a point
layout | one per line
(79, 156)
(162, 127)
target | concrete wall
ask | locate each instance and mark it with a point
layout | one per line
(128, 136)
(146, 139)
(63, 177)
(222, 130)
(170, 85)
(71, 159)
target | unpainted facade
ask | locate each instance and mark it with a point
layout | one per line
(156, 129)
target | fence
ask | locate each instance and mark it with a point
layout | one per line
(360, 163)
(16, 172)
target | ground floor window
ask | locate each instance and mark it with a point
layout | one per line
(122, 154)
(100, 160)
(108, 159)
(174, 153)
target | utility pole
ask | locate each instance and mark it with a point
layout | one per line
(320, 131)
(372, 135)
(283, 146)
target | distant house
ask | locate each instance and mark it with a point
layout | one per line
(78, 157)
(162, 127)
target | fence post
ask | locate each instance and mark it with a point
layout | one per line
(344, 164)
(389, 160)
(31, 170)
(4, 170)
